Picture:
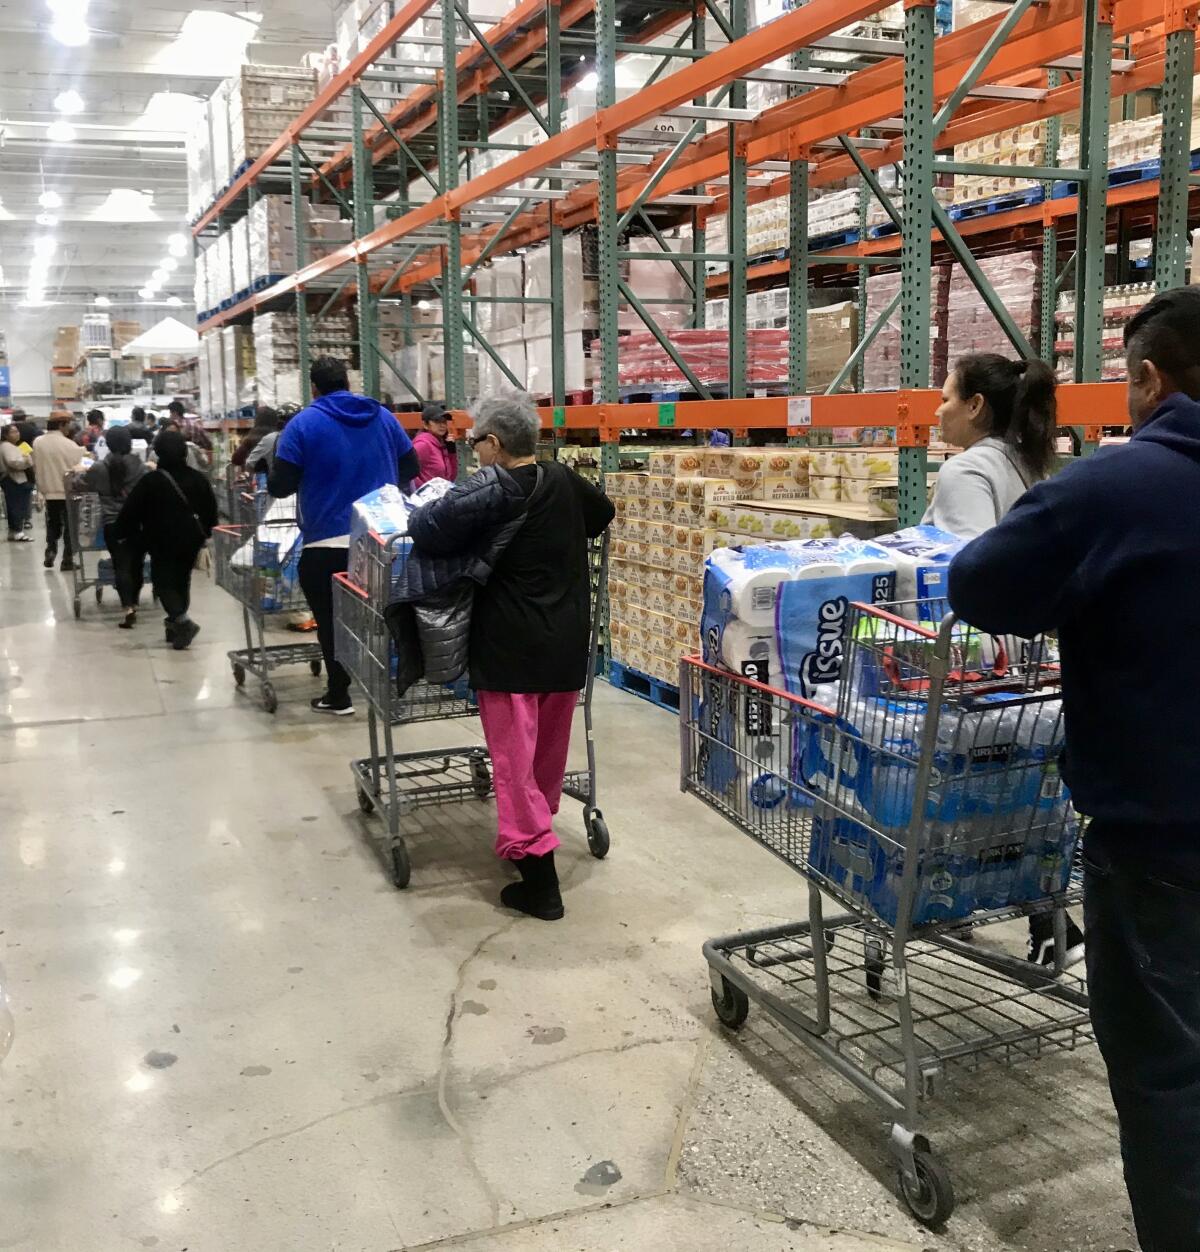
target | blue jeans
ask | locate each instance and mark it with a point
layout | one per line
(1142, 926)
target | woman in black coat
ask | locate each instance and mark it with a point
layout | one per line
(530, 626)
(171, 512)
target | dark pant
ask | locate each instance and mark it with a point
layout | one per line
(1142, 931)
(128, 565)
(56, 529)
(18, 501)
(173, 585)
(317, 568)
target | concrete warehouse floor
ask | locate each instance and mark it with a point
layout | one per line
(233, 1033)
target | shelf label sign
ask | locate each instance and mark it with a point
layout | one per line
(560, 415)
(666, 414)
(799, 411)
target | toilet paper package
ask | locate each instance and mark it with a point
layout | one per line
(922, 555)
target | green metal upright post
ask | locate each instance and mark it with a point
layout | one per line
(1049, 304)
(699, 245)
(448, 141)
(607, 216)
(864, 203)
(1170, 241)
(364, 223)
(798, 278)
(558, 334)
(1096, 97)
(301, 227)
(915, 246)
(737, 223)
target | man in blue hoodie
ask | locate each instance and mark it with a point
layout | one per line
(334, 452)
(1108, 554)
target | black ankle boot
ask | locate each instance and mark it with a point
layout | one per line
(537, 893)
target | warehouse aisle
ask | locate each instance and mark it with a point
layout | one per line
(233, 1033)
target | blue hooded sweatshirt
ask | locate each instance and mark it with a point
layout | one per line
(1107, 552)
(345, 446)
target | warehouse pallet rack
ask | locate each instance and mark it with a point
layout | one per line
(412, 156)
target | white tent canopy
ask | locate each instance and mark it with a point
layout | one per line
(169, 337)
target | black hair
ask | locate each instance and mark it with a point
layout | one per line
(95, 417)
(171, 449)
(1167, 332)
(1021, 403)
(176, 407)
(120, 444)
(328, 374)
(138, 414)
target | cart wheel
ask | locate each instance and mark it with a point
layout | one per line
(873, 963)
(239, 675)
(401, 869)
(597, 833)
(732, 1005)
(315, 668)
(481, 779)
(365, 803)
(931, 1195)
(78, 606)
(99, 594)
(269, 699)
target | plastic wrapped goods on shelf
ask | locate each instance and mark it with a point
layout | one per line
(971, 327)
(881, 365)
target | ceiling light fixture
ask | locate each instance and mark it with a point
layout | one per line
(46, 219)
(170, 265)
(50, 200)
(146, 293)
(174, 302)
(102, 302)
(69, 102)
(177, 245)
(160, 276)
(61, 132)
(70, 32)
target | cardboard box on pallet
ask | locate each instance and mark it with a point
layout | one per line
(66, 347)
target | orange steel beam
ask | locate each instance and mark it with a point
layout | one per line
(411, 12)
(1089, 404)
(767, 43)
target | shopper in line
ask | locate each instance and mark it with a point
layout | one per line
(16, 481)
(55, 456)
(333, 453)
(93, 432)
(1108, 554)
(266, 422)
(1002, 413)
(141, 427)
(262, 456)
(190, 426)
(112, 479)
(435, 449)
(530, 626)
(170, 513)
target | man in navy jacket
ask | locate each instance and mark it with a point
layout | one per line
(1108, 554)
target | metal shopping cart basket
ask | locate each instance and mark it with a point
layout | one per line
(257, 561)
(93, 567)
(397, 783)
(926, 801)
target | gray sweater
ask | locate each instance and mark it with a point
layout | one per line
(976, 488)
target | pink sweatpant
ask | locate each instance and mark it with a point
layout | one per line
(528, 736)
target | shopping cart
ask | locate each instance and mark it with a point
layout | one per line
(927, 802)
(229, 484)
(398, 783)
(256, 561)
(93, 567)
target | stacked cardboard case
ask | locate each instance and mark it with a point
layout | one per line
(670, 519)
(277, 351)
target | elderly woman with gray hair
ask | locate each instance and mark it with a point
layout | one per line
(530, 625)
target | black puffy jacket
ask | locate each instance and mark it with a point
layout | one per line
(457, 541)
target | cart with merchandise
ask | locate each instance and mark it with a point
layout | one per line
(257, 560)
(927, 803)
(93, 567)
(398, 783)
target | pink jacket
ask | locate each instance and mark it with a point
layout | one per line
(437, 460)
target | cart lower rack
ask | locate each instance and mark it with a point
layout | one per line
(927, 802)
(399, 783)
(93, 567)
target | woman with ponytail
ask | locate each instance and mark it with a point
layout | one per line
(1002, 414)
(112, 479)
